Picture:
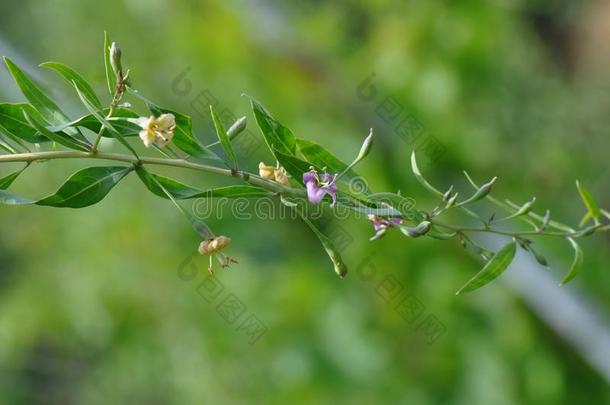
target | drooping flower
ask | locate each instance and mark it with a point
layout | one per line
(157, 130)
(213, 247)
(275, 173)
(318, 185)
(381, 224)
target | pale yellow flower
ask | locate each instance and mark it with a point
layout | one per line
(159, 131)
(281, 176)
(266, 172)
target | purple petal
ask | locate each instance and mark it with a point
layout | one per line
(309, 177)
(314, 193)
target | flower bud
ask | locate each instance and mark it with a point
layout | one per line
(419, 230)
(483, 191)
(237, 128)
(115, 58)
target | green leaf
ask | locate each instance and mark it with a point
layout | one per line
(321, 157)
(110, 75)
(105, 123)
(224, 138)
(58, 137)
(329, 247)
(278, 137)
(121, 121)
(8, 198)
(421, 178)
(181, 191)
(14, 125)
(293, 165)
(39, 100)
(576, 263)
(6, 181)
(76, 79)
(183, 133)
(86, 187)
(5, 146)
(589, 201)
(492, 269)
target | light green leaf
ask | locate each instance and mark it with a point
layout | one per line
(59, 137)
(589, 201)
(110, 75)
(6, 181)
(86, 187)
(224, 138)
(421, 178)
(576, 263)
(329, 247)
(75, 79)
(277, 136)
(181, 191)
(492, 269)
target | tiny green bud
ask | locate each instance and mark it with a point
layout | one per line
(115, 58)
(451, 201)
(237, 128)
(483, 191)
(525, 208)
(366, 146)
(447, 194)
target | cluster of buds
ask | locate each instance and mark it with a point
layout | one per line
(275, 173)
(318, 185)
(157, 130)
(213, 246)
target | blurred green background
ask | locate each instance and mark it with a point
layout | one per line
(96, 306)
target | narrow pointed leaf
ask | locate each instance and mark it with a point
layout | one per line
(14, 124)
(59, 137)
(110, 76)
(76, 79)
(589, 201)
(321, 157)
(116, 134)
(224, 139)
(492, 269)
(6, 181)
(293, 165)
(86, 187)
(277, 136)
(180, 191)
(329, 247)
(576, 263)
(421, 178)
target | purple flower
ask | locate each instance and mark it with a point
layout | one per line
(382, 224)
(318, 185)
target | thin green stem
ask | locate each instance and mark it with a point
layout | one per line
(247, 177)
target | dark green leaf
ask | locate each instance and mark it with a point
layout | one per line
(321, 157)
(58, 137)
(110, 75)
(181, 191)
(277, 136)
(224, 139)
(86, 187)
(13, 123)
(121, 121)
(492, 269)
(576, 263)
(76, 79)
(589, 201)
(293, 165)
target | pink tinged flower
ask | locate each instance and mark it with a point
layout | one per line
(381, 224)
(318, 185)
